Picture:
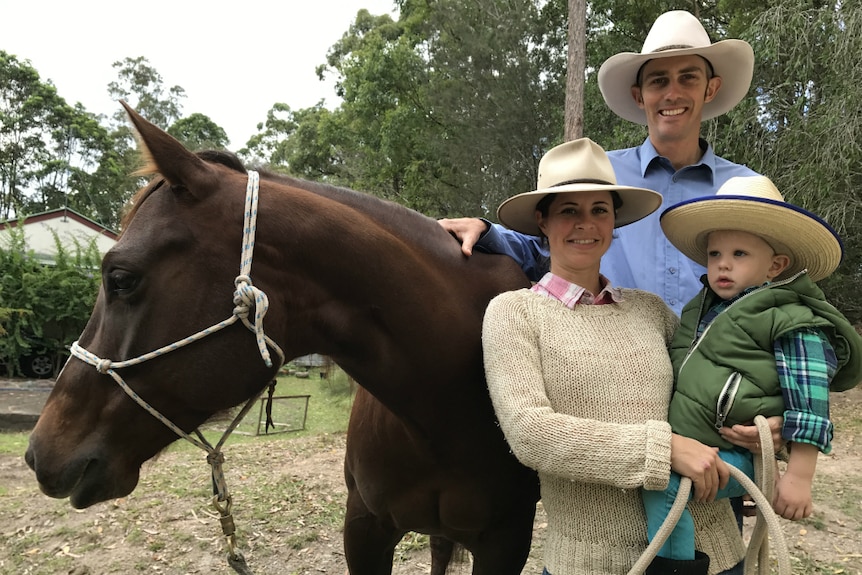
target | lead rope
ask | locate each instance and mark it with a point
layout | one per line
(245, 297)
(758, 550)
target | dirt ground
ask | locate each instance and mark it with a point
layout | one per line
(288, 494)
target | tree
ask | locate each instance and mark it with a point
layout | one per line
(199, 132)
(48, 149)
(808, 108)
(141, 86)
(27, 107)
(447, 110)
(575, 70)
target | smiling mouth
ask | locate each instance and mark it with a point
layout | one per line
(583, 242)
(674, 112)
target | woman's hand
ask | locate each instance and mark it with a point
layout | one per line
(747, 436)
(690, 458)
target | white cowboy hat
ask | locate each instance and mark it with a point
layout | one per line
(753, 204)
(577, 166)
(678, 33)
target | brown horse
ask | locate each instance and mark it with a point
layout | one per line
(381, 289)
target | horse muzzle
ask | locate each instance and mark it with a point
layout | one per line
(84, 478)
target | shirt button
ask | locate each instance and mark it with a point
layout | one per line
(672, 271)
(671, 302)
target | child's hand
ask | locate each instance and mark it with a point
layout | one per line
(793, 497)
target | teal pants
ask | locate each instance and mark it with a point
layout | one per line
(680, 544)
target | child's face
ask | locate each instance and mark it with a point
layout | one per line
(739, 260)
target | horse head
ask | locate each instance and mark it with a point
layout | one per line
(171, 274)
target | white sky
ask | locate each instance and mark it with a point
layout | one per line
(233, 59)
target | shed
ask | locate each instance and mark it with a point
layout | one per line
(70, 227)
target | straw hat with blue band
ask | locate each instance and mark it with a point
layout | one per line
(577, 166)
(753, 204)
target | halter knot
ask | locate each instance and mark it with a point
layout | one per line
(215, 458)
(243, 296)
(103, 365)
(246, 297)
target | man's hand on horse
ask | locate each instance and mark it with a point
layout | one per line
(466, 230)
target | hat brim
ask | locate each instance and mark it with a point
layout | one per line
(809, 241)
(519, 212)
(732, 60)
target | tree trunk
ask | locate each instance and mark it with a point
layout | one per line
(576, 64)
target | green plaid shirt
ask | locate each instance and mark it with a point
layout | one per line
(806, 363)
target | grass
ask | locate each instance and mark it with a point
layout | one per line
(13, 444)
(187, 479)
(180, 483)
(329, 405)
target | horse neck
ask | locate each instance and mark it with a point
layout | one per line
(362, 287)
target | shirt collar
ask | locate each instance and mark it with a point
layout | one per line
(648, 155)
(719, 305)
(571, 294)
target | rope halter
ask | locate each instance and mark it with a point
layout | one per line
(245, 298)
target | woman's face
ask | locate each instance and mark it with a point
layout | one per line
(579, 227)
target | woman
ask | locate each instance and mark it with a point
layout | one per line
(580, 378)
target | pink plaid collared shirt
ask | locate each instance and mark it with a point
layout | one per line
(572, 294)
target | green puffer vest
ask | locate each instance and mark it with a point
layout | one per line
(736, 351)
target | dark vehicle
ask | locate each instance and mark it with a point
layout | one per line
(42, 359)
(40, 363)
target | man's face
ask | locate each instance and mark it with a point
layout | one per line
(672, 93)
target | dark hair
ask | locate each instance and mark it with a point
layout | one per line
(544, 204)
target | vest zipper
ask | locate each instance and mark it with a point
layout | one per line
(725, 398)
(696, 341)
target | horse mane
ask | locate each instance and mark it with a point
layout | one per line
(390, 215)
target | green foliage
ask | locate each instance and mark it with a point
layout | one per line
(29, 108)
(448, 108)
(199, 132)
(803, 126)
(140, 85)
(446, 111)
(47, 303)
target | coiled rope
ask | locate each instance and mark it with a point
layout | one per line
(757, 555)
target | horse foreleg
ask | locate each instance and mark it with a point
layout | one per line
(504, 549)
(441, 554)
(369, 543)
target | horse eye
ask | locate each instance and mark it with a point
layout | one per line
(121, 282)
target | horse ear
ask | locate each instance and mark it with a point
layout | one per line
(165, 154)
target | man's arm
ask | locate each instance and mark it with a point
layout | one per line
(528, 251)
(468, 231)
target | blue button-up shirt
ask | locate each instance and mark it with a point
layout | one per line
(640, 256)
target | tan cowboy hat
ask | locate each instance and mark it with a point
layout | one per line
(753, 204)
(678, 33)
(577, 166)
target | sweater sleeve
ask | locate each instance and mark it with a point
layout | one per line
(578, 448)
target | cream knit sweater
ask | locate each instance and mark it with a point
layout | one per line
(582, 397)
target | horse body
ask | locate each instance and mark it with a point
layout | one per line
(382, 290)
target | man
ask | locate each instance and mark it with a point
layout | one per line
(677, 80)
